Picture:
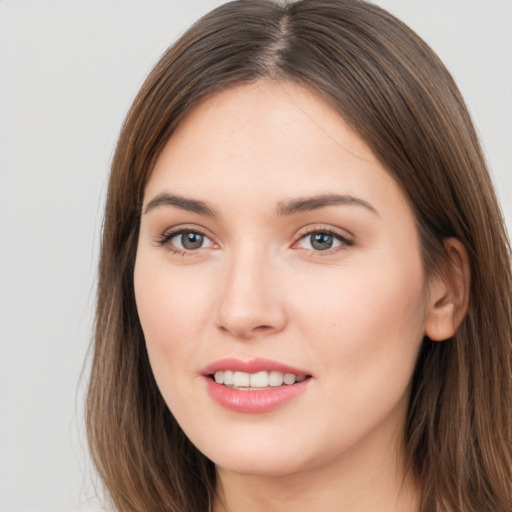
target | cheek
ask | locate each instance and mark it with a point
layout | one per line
(363, 336)
(171, 312)
(368, 320)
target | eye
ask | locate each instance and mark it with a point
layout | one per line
(189, 241)
(322, 240)
(184, 241)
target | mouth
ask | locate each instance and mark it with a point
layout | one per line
(255, 386)
(258, 381)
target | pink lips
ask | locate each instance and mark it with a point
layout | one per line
(257, 401)
(252, 366)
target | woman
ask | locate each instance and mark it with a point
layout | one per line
(305, 291)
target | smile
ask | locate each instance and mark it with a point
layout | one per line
(255, 386)
(255, 381)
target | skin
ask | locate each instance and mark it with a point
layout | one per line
(352, 316)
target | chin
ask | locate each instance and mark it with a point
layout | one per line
(255, 456)
(267, 466)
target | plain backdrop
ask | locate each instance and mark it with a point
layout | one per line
(68, 72)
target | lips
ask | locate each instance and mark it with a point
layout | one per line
(252, 366)
(255, 386)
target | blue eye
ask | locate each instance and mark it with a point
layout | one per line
(185, 241)
(322, 241)
(189, 241)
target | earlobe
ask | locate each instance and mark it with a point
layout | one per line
(449, 293)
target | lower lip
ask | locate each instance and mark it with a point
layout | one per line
(257, 401)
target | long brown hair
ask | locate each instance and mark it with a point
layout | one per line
(396, 94)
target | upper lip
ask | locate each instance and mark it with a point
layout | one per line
(251, 366)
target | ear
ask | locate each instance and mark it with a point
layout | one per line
(449, 293)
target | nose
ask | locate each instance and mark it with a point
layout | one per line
(251, 297)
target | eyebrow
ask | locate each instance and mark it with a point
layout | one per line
(306, 204)
(190, 205)
(284, 208)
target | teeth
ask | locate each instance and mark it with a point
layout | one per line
(241, 380)
(289, 378)
(275, 378)
(256, 380)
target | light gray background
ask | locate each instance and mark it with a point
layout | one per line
(68, 72)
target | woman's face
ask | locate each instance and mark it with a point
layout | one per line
(272, 242)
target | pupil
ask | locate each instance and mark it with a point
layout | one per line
(321, 241)
(191, 240)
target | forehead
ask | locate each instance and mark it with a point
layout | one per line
(276, 105)
(273, 138)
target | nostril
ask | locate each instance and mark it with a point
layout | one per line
(263, 328)
(244, 332)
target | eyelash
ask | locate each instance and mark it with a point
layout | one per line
(165, 239)
(345, 242)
